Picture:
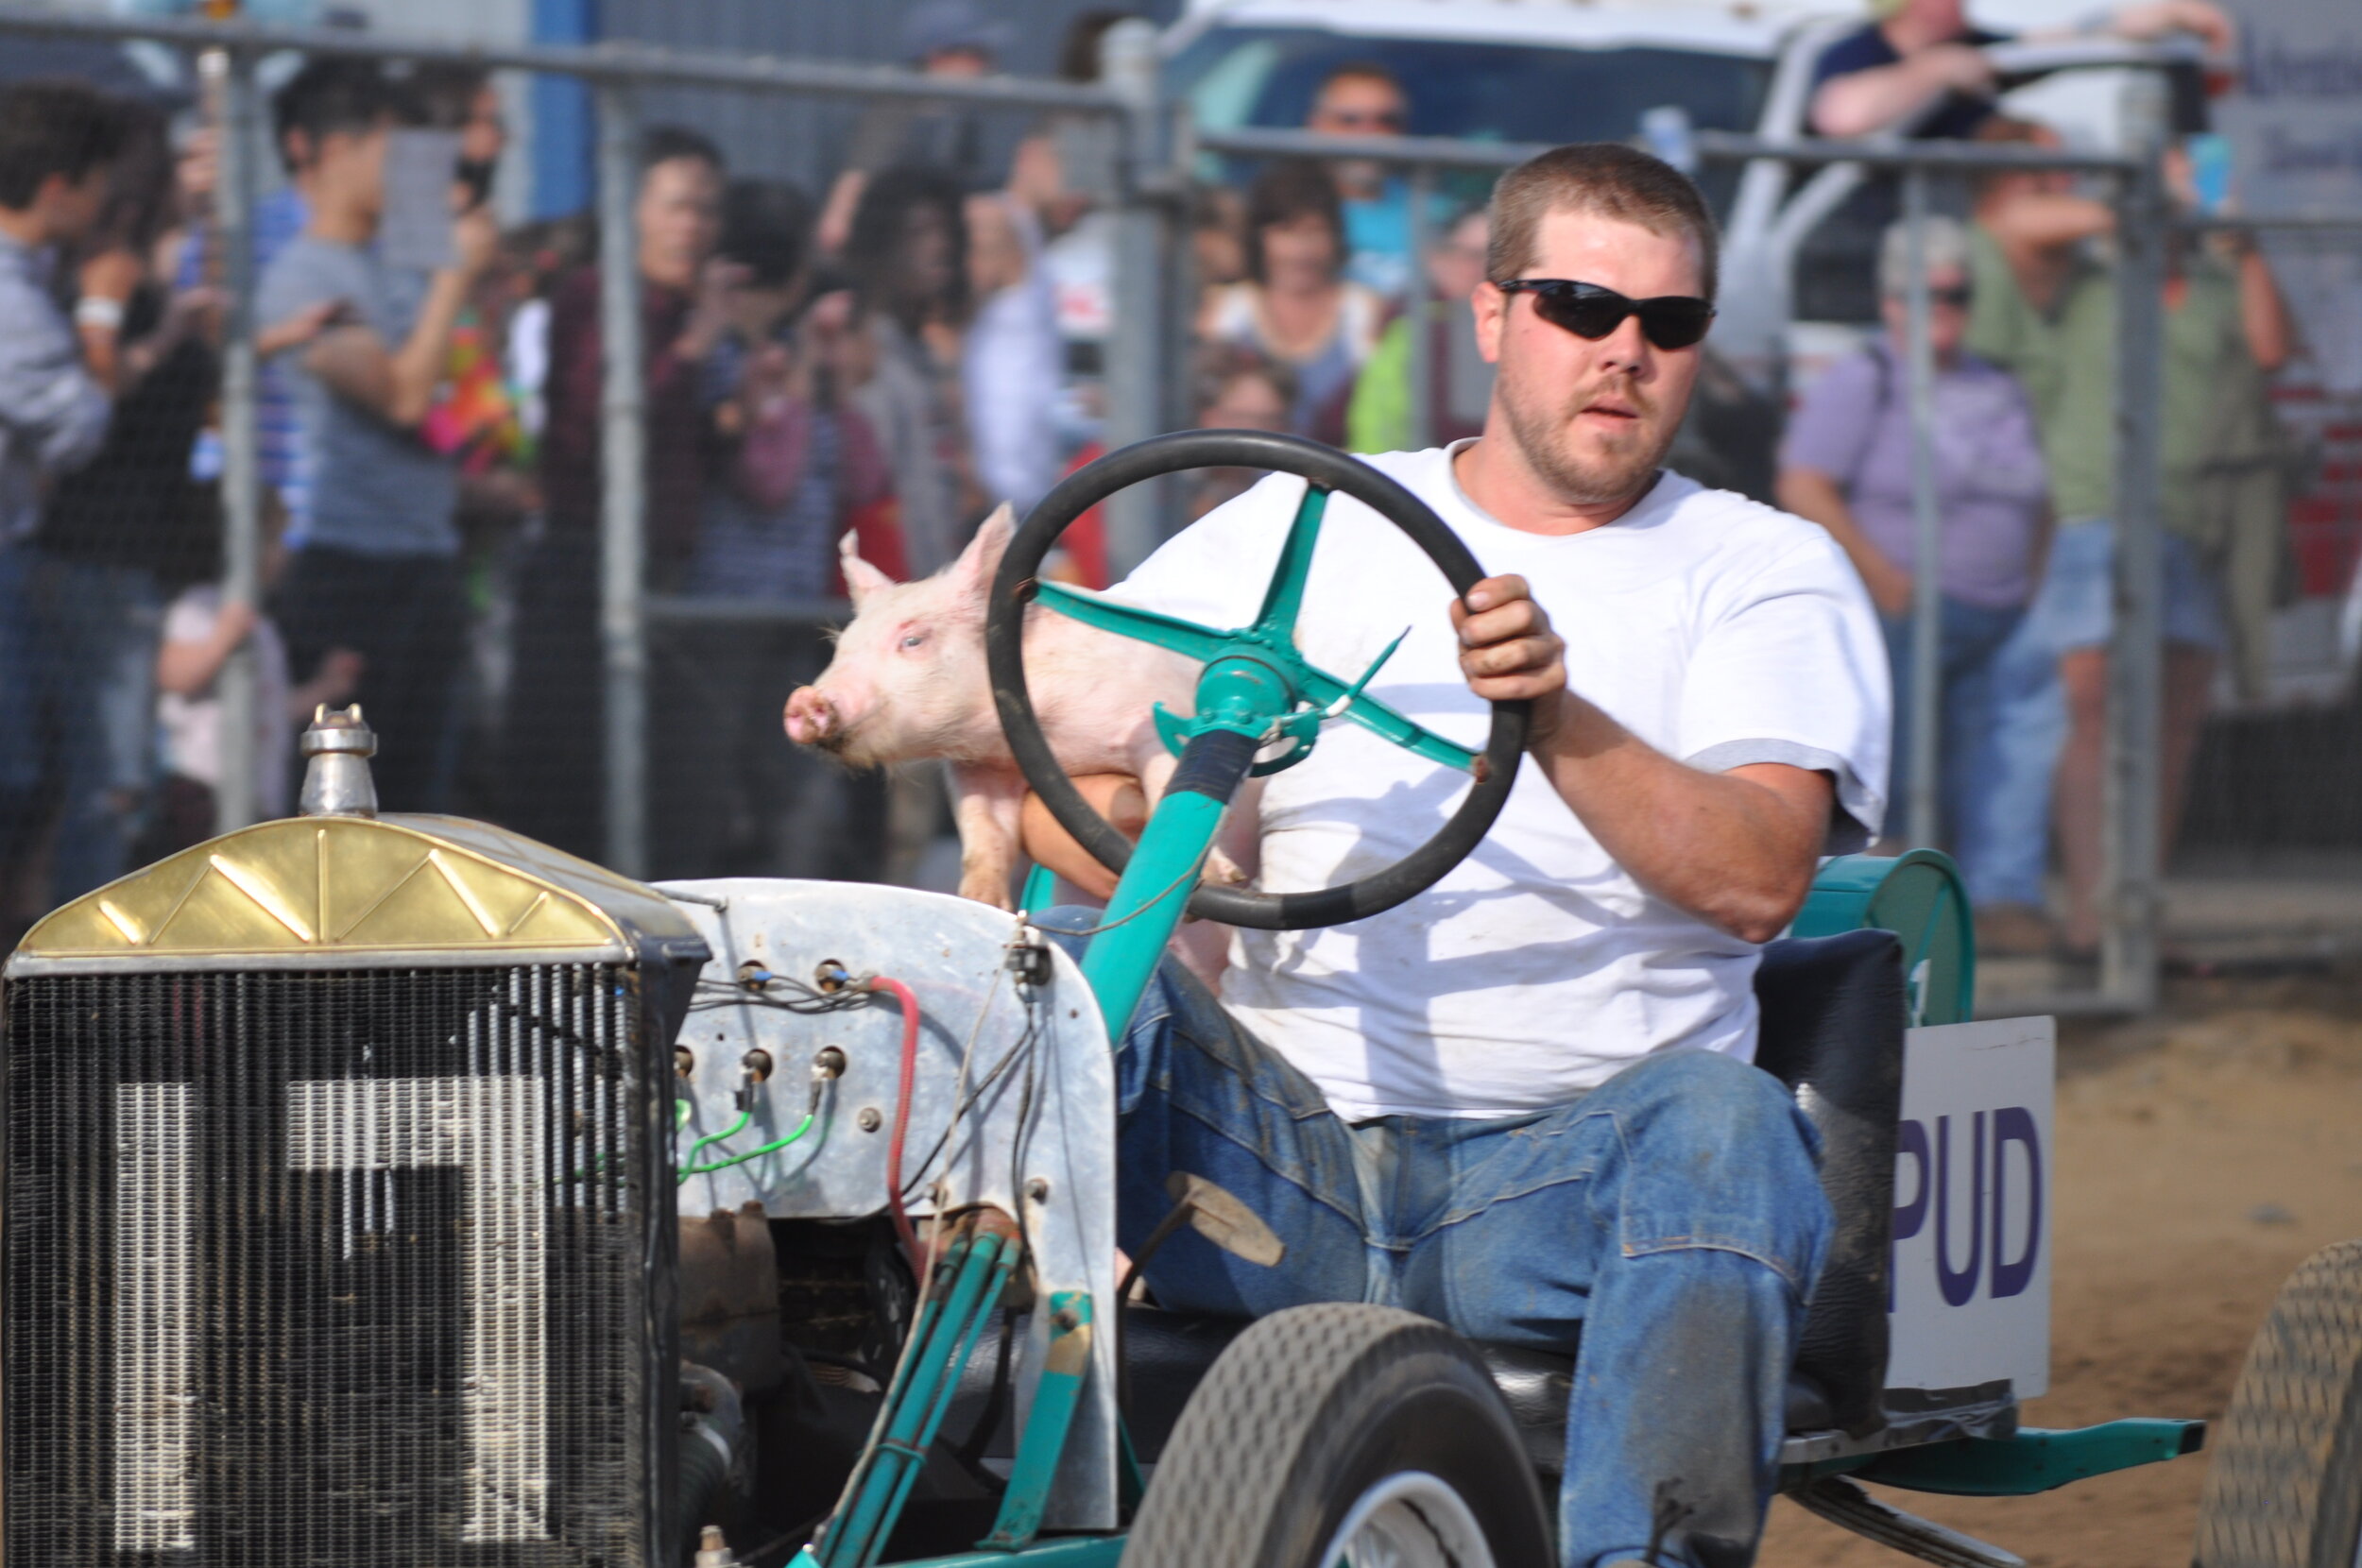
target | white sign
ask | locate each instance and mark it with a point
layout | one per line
(1971, 1294)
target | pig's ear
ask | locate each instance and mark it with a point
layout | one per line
(861, 578)
(982, 558)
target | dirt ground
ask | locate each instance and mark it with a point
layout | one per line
(2202, 1156)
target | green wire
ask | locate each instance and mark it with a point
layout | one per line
(682, 1110)
(723, 1136)
(801, 1128)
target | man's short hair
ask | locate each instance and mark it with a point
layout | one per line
(2003, 130)
(1361, 70)
(873, 248)
(52, 127)
(1947, 243)
(671, 144)
(766, 227)
(440, 94)
(1607, 180)
(1288, 189)
(329, 97)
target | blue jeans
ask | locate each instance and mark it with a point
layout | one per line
(96, 629)
(2004, 827)
(20, 707)
(1665, 1228)
(2076, 607)
(1974, 755)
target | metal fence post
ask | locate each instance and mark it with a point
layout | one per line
(1135, 380)
(237, 798)
(2136, 650)
(623, 478)
(1418, 319)
(1923, 819)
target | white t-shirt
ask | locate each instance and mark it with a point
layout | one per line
(192, 726)
(1718, 631)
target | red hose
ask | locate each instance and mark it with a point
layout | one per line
(902, 1116)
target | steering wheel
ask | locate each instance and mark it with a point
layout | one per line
(1272, 695)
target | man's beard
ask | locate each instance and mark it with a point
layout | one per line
(1544, 436)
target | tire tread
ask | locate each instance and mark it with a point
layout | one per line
(1242, 1446)
(2285, 1486)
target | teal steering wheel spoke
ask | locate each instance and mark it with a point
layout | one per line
(1188, 637)
(1284, 598)
(1336, 699)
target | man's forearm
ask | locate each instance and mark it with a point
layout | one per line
(417, 366)
(1735, 850)
(2271, 338)
(1863, 102)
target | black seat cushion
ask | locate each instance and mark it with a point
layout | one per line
(1833, 1017)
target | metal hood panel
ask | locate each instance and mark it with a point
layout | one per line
(335, 891)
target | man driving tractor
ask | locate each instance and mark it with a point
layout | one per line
(1523, 1102)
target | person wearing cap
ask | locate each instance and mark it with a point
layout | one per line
(1847, 464)
(940, 38)
(1920, 66)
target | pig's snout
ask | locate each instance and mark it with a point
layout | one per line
(811, 719)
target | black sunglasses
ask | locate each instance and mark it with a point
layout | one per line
(1586, 310)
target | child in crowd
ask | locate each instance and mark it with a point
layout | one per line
(202, 628)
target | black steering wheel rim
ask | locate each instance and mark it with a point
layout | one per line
(1005, 653)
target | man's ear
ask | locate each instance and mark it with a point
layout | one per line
(1491, 304)
(861, 578)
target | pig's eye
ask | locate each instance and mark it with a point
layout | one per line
(913, 639)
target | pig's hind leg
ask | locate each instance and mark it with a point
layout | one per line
(987, 805)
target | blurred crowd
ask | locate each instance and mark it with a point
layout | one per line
(2021, 326)
(881, 363)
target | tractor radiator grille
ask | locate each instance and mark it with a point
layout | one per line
(327, 1270)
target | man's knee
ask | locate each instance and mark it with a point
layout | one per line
(1719, 1157)
(1715, 1103)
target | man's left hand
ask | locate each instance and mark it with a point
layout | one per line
(1508, 652)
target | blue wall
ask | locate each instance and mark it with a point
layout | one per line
(561, 113)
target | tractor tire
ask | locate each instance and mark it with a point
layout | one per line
(2284, 1489)
(1344, 1431)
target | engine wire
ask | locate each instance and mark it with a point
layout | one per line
(907, 1083)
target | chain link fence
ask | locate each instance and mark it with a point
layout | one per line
(594, 647)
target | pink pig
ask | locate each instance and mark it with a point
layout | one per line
(908, 685)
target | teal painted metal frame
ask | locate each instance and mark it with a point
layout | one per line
(976, 1268)
(1845, 889)
(2034, 1459)
(1064, 1368)
(1071, 1551)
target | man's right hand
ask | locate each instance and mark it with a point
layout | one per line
(1508, 652)
(1964, 68)
(475, 239)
